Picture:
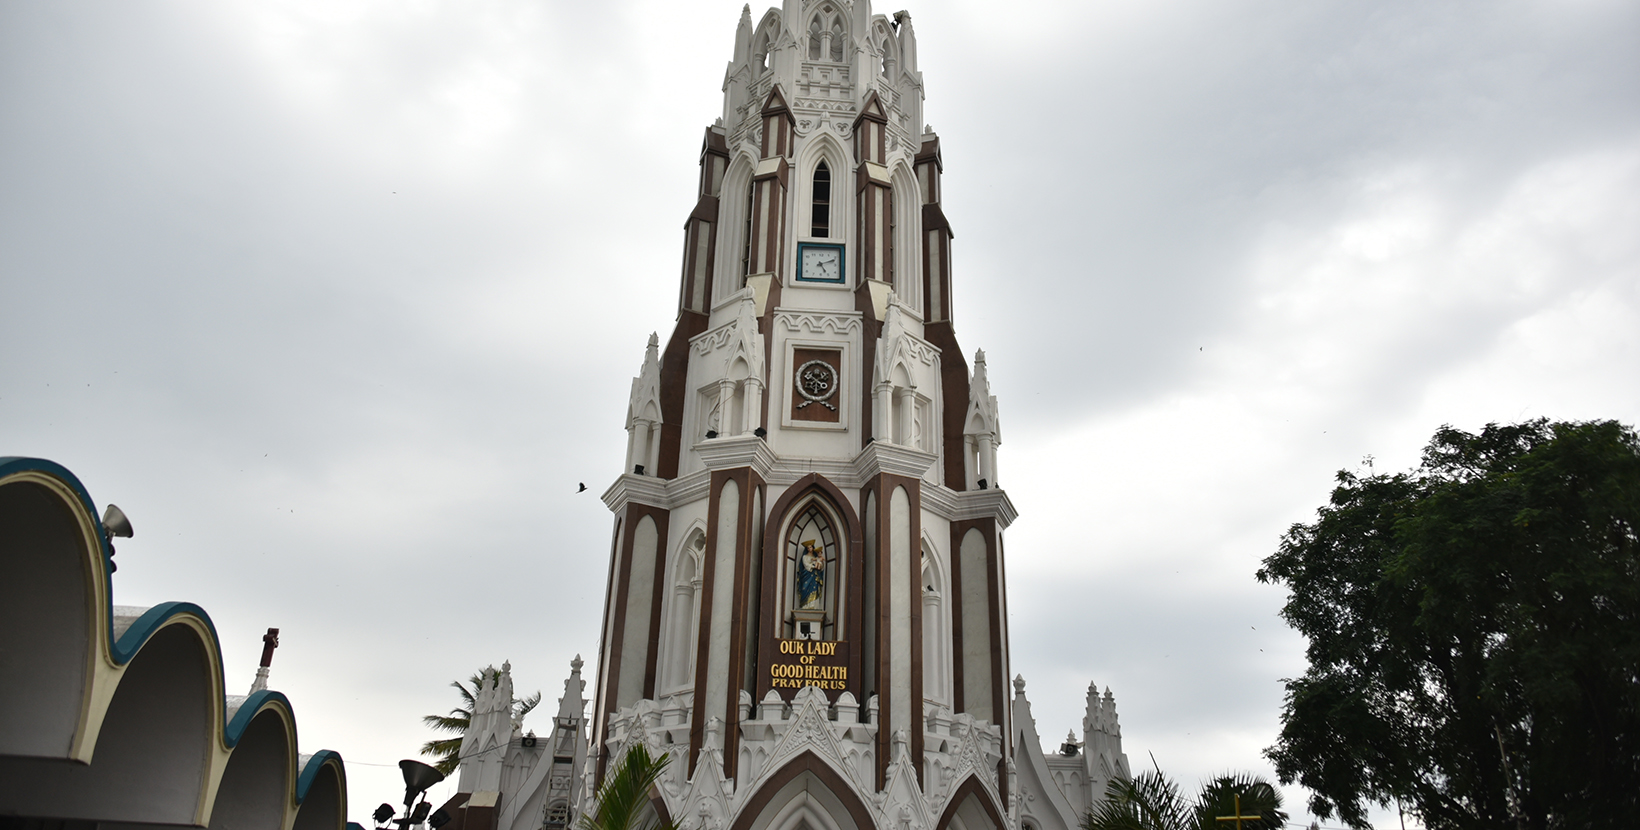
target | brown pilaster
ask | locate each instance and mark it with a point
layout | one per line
(883, 486)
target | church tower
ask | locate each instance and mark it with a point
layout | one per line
(806, 607)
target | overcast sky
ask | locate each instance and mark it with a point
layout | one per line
(340, 300)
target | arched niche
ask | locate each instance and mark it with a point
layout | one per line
(778, 584)
(682, 611)
(813, 571)
(256, 783)
(936, 626)
(51, 569)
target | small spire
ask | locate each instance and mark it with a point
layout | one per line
(1019, 684)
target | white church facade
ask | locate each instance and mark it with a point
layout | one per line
(806, 604)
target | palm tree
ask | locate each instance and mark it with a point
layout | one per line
(448, 750)
(1152, 801)
(625, 794)
(1219, 797)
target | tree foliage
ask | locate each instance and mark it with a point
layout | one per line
(1152, 801)
(1474, 634)
(448, 750)
(623, 800)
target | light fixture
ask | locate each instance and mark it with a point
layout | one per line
(115, 524)
(417, 778)
(383, 813)
(760, 432)
(438, 819)
(982, 484)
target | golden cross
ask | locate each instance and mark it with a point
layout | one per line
(1238, 818)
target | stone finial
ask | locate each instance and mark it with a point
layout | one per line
(576, 664)
(1019, 684)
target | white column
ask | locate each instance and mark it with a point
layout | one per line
(754, 405)
(908, 407)
(652, 465)
(883, 429)
(726, 397)
(987, 459)
(639, 450)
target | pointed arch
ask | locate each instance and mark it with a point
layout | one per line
(682, 610)
(815, 37)
(824, 148)
(734, 212)
(890, 58)
(908, 279)
(805, 781)
(968, 799)
(850, 546)
(936, 624)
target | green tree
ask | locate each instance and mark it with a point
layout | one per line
(1474, 634)
(448, 750)
(623, 799)
(1152, 801)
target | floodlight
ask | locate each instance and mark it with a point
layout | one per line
(383, 813)
(115, 523)
(420, 813)
(417, 778)
(438, 819)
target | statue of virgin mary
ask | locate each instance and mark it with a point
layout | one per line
(811, 577)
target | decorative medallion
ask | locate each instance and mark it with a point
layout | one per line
(817, 383)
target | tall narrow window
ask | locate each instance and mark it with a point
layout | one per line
(746, 251)
(814, 39)
(820, 223)
(837, 39)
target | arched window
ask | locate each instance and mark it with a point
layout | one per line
(888, 59)
(760, 54)
(812, 574)
(814, 38)
(837, 39)
(820, 221)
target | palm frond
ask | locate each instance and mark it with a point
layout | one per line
(624, 797)
(456, 721)
(1148, 801)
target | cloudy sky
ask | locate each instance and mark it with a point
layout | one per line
(328, 295)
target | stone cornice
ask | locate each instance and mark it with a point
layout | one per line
(737, 451)
(881, 457)
(851, 474)
(985, 504)
(630, 488)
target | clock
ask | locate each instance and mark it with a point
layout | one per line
(819, 263)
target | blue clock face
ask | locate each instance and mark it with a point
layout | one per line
(820, 263)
